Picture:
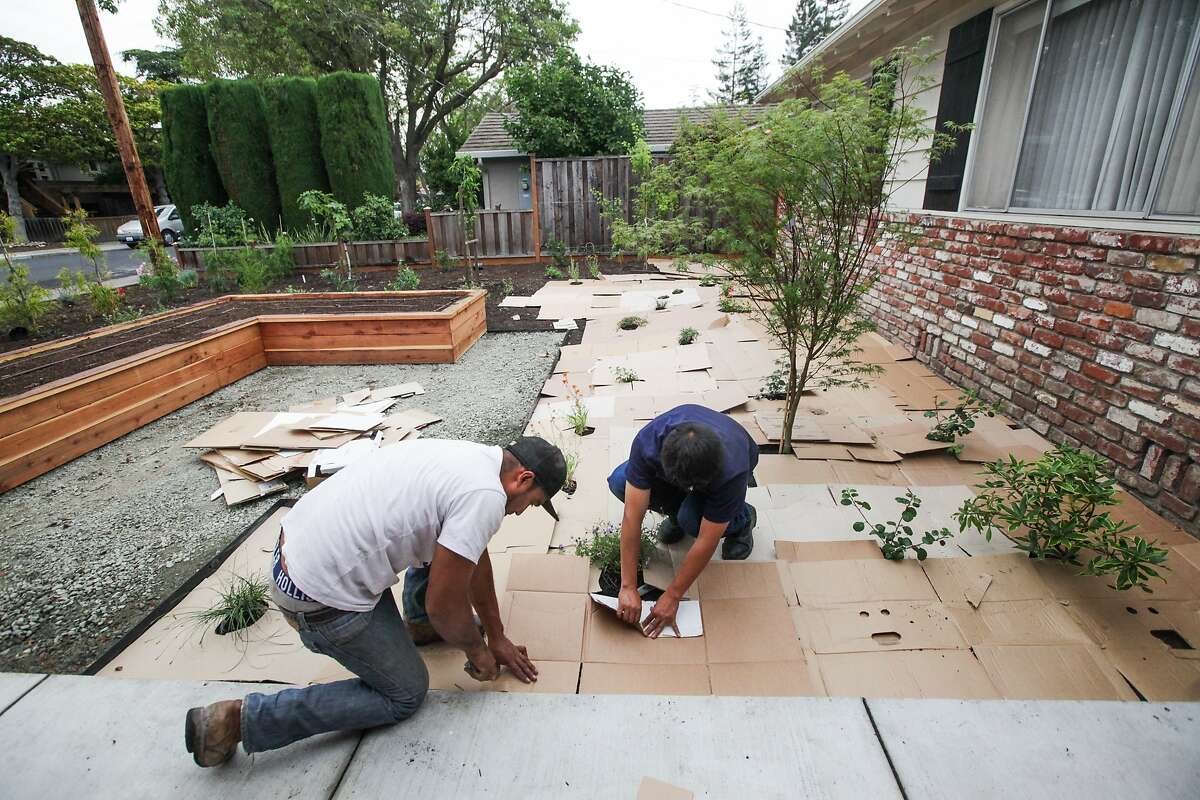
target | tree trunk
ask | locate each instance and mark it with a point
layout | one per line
(8, 173)
(407, 167)
(795, 387)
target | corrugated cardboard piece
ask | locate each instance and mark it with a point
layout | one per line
(608, 678)
(540, 572)
(1155, 673)
(821, 583)
(752, 629)
(1052, 672)
(445, 665)
(827, 551)
(1007, 578)
(878, 627)
(907, 674)
(608, 640)
(651, 789)
(549, 624)
(1136, 622)
(766, 679)
(1017, 622)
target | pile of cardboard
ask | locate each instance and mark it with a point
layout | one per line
(252, 452)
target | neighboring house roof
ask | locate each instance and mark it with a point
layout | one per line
(873, 30)
(660, 127)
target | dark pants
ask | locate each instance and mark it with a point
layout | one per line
(684, 508)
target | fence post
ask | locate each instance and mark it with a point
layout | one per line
(429, 234)
(537, 213)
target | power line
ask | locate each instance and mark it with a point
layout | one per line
(723, 16)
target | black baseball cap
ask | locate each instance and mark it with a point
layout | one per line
(545, 461)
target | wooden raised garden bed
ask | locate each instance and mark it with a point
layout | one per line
(68, 397)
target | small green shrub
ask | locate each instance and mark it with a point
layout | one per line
(375, 220)
(558, 253)
(959, 421)
(223, 226)
(602, 546)
(775, 385)
(728, 305)
(240, 604)
(506, 288)
(23, 303)
(160, 275)
(442, 260)
(71, 285)
(331, 219)
(688, 335)
(341, 283)
(708, 280)
(1051, 509)
(896, 536)
(631, 323)
(406, 280)
(81, 237)
(624, 375)
(249, 270)
(593, 266)
(105, 301)
(553, 273)
(573, 272)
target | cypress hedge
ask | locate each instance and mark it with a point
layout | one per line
(237, 129)
(354, 137)
(188, 167)
(291, 105)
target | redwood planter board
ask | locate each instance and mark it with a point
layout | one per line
(68, 397)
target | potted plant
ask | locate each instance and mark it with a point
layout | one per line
(602, 547)
(240, 604)
(660, 303)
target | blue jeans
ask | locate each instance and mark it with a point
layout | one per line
(375, 646)
(684, 508)
(416, 582)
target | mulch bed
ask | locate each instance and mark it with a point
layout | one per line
(66, 321)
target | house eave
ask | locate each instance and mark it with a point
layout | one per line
(509, 153)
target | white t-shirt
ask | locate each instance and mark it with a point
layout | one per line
(348, 539)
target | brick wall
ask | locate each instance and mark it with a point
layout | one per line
(1090, 337)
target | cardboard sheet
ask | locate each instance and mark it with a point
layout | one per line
(827, 551)
(416, 418)
(1017, 622)
(652, 789)
(549, 624)
(823, 583)
(542, 572)
(735, 580)
(687, 617)
(445, 665)
(343, 421)
(766, 679)
(916, 674)
(1173, 625)
(668, 679)
(878, 627)
(1008, 578)
(610, 641)
(1052, 672)
(1155, 673)
(532, 530)
(752, 629)
(400, 390)
(232, 431)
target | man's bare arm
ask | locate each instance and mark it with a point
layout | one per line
(483, 597)
(448, 603)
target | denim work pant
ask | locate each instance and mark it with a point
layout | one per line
(375, 646)
(685, 508)
(416, 583)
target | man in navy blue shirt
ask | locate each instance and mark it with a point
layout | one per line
(693, 465)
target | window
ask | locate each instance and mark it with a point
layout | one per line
(1091, 107)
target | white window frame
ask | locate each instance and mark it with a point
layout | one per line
(1187, 77)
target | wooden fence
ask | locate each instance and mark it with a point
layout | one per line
(501, 234)
(327, 254)
(53, 229)
(566, 197)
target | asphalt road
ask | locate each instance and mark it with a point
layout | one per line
(43, 267)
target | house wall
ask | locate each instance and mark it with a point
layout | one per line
(1090, 337)
(502, 182)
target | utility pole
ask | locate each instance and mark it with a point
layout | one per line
(115, 107)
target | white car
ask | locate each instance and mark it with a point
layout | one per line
(169, 222)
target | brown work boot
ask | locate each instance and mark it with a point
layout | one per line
(423, 633)
(212, 733)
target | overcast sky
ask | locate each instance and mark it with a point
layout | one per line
(667, 45)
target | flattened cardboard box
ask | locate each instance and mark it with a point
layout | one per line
(748, 630)
(651, 789)
(1007, 578)
(1138, 622)
(878, 627)
(549, 624)
(538, 572)
(766, 679)
(1052, 672)
(446, 673)
(913, 674)
(610, 641)
(1017, 622)
(609, 678)
(827, 551)
(731, 580)
(823, 583)
(1155, 673)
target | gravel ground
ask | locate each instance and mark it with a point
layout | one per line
(90, 548)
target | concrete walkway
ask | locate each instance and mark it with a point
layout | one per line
(71, 736)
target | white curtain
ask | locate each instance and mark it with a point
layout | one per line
(999, 131)
(1108, 75)
(1179, 192)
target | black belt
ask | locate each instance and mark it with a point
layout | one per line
(321, 615)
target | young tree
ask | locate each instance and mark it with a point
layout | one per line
(741, 62)
(565, 107)
(53, 112)
(802, 198)
(430, 57)
(164, 66)
(812, 21)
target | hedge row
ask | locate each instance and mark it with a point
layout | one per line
(295, 142)
(237, 129)
(354, 137)
(188, 167)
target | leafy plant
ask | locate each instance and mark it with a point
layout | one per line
(728, 305)
(23, 303)
(775, 385)
(442, 260)
(553, 273)
(161, 274)
(105, 301)
(593, 263)
(558, 253)
(677, 291)
(573, 272)
(896, 536)
(406, 280)
(961, 420)
(224, 226)
(251, 270)
(506, 288)
(81, 237)
(688, 335)
(708, 280)
(681, 264)
(578, 415)
(375, 219)
(631, 323)
(71, 285)
(332, 219)
(1051, 509)
(624, 375)
(240, 604)
(602, 546)
(341, 283)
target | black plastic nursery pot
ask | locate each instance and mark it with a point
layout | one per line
(610, 581)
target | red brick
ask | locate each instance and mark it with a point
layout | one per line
(1105, 340)
(1078, 348)
(1113, 291)
(1073, 235)
(1146, 299)
(1176, 506)
(1144, 280)
(1048, 338)
(1125, 258)
(1157, 244)
(1132, 330)
(1100, 373)
(1088, 302)
(1122, 310)
(1088, 253)
(1118, 454)
(1072, 329)
(1095, 321)
(1081, 383)
(1056, 249)
(1189, 487)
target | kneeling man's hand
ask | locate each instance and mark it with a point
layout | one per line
(513, 656)
(662, 616)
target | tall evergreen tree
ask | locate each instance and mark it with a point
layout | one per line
(741, 62)
(812, 21)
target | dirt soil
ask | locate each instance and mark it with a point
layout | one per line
(23, 374)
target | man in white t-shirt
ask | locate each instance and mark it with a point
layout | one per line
(426, 502)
